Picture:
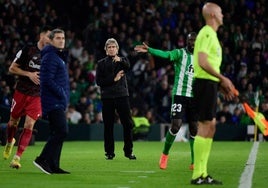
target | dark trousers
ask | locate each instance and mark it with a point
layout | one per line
(58, 132)
(121, 105)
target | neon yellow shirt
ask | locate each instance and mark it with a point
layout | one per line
(207, 42)
(139, 121)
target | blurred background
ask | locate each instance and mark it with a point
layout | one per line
(162, 24)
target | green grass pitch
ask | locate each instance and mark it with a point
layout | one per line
(89, 169)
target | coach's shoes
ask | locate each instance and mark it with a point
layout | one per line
(163, 161)
(131, 156)
(42, 165)
(60, 171)
(8, 149)
(15, 163)
(198, 181)
(209, 180)
(109, 156)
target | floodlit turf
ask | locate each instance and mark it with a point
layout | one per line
(85, 161)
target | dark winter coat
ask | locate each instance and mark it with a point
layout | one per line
(54, 79)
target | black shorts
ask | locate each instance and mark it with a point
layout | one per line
(183, 107)
(205, 98)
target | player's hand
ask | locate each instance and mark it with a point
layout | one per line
(142, 48)
(119, 75)
(34, 76)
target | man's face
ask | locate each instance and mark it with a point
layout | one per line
(190, 42)
(111, 50)
(58, 41)
(45, 38)
(219, 16)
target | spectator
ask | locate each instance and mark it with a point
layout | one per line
(235, 104)
(82, 105)
(150, 116)
(138, 71)
(236, 116)
(141, 127)
(74, 93)
(77, 50)
(73, 116)
(163, 98)
(224, 116)
(264, 111)
(5, 97)
(98, 118)
(84, 58)
(86, 119)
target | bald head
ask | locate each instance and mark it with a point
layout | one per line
(209, 10)
(212, 14)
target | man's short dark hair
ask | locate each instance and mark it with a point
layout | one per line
(53, 32)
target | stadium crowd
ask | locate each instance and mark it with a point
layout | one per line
(162, 24)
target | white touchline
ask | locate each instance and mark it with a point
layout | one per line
(139, 171)
(246, 177)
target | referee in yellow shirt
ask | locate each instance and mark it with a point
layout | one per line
(207, 80)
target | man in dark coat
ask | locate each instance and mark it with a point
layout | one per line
(111, 78)
(54, 82)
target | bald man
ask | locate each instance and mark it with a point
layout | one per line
(207, 79)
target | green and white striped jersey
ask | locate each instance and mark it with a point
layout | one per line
(183, 66)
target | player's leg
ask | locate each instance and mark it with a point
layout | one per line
(206, 111)
(170, 137)
(208, 129)
(25, 135)
(192, 122)
(201, 110)
(12, 127)
(177, 112)
(208, 134)
(202, 146)
(23, 142)
(193, 131)
(171, 134)
(32, 109)
(16, 111)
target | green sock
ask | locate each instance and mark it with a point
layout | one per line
(207, 150)
(199, 145)
(169, 141)
(191, 141)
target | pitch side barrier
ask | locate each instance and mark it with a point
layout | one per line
(157, 132)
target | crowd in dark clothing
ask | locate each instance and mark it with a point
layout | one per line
(162, 24)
